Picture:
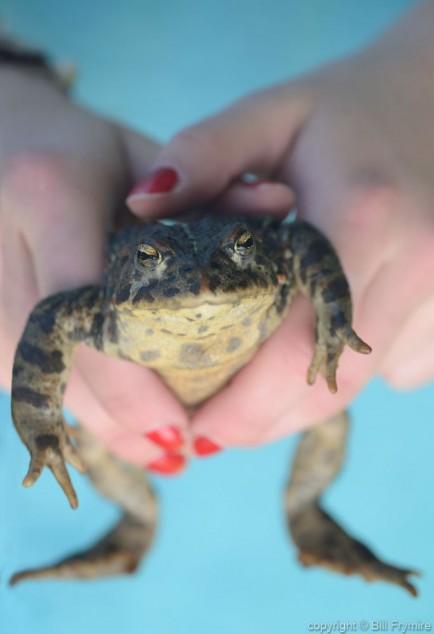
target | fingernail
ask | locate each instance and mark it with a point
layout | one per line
(161, 181)
(168, 437)
(168, 464)
(258, 182)
(205, 447)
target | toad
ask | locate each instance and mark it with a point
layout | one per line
(193, 301)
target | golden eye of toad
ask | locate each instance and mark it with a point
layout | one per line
(148, 255)
(244, 243)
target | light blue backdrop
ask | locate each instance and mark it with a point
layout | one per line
(222, 563)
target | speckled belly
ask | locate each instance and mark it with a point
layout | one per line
(197, 348)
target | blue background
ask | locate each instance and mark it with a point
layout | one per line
(222, 562)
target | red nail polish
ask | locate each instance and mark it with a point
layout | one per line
(162, 181)
(205, 447)
(168, 437)
(169, 464)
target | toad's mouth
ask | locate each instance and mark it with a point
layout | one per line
(214, 311)
(191, 301)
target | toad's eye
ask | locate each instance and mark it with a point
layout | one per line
(244, 244)
(147, 255)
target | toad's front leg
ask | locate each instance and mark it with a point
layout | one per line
(41, 367)
(319, 275)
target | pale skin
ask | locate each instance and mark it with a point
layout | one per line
(355, 140)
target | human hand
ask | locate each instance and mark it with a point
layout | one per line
(355, 140)
(64, 174)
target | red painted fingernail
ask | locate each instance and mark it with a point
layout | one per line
(168, 437)
(162, 181)
(169, 464)
(205, 447)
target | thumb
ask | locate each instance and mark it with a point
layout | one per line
(140, 151)
(201, 161)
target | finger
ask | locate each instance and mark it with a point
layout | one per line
(200, 162)
(410, 360)
(127, 443)
(259, 196)
(140, 151)
(132, 395)
(63, 209)
(18, 294)
(133, 413)
(18, 291)
(7, 351)
(77, 201)
(91, 413)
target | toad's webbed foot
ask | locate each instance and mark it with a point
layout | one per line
(117, 553)
(329, 346)
(122, 549)
(320, 540)
(52, 450)
(320, 276)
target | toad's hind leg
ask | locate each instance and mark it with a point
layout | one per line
(121, 550)
(320, 540)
